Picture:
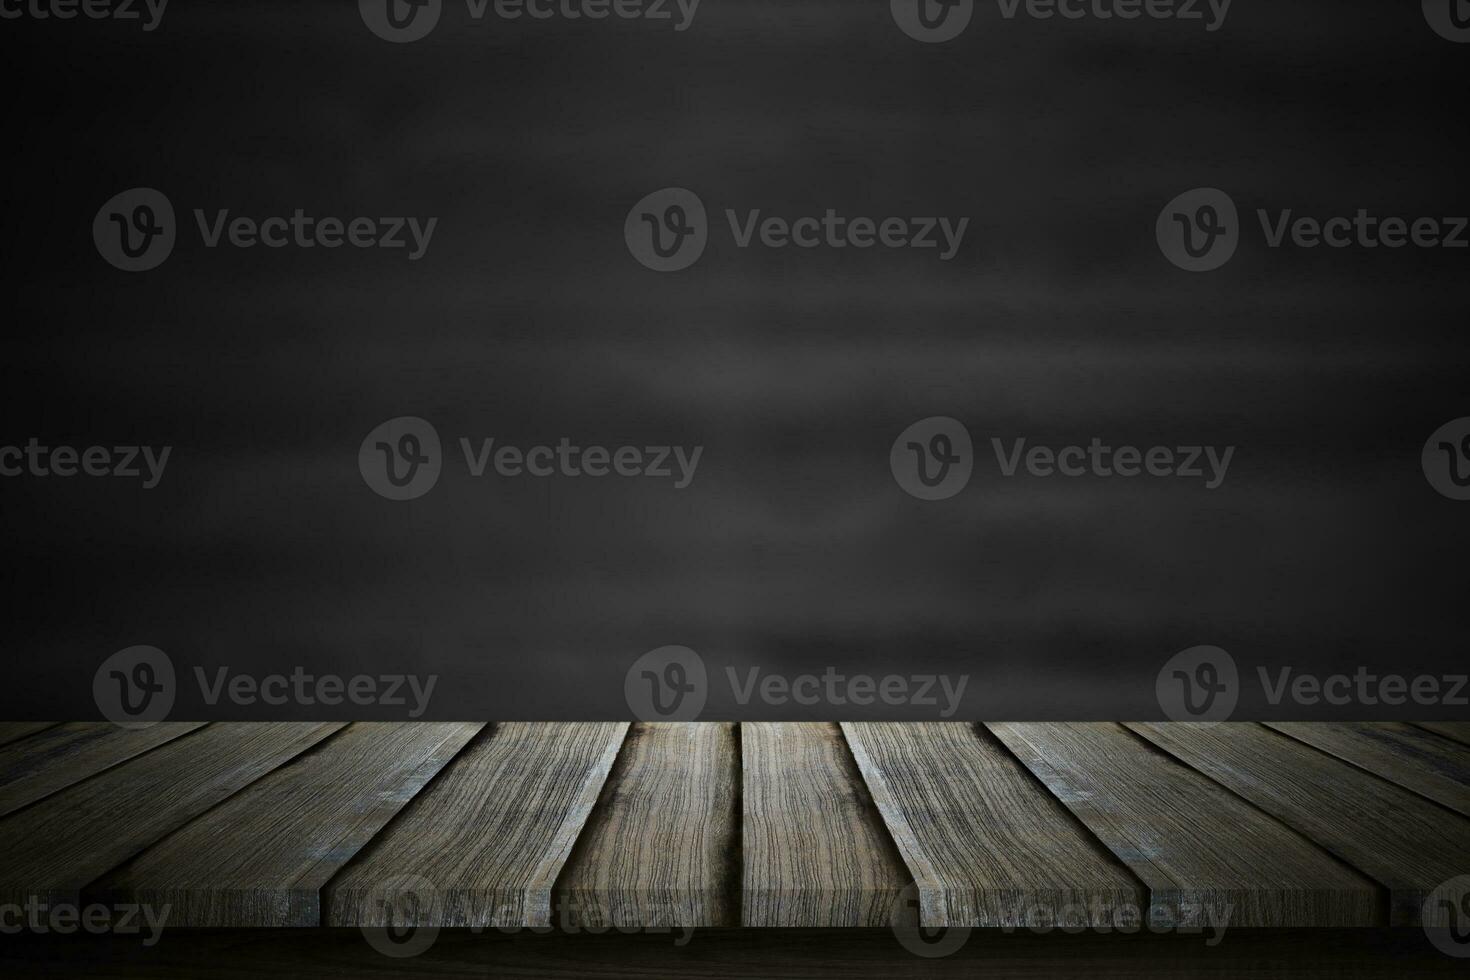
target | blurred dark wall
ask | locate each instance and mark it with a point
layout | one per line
(793, 549)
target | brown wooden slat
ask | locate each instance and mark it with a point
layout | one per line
(1207, 857)
(661, 845)
(262, 857)
(1416, 759)
(1399, 839)
(13, 731)
(61, 756)
(483, 845)
(54, 848)
(1457, 730)
(815, 850)
(988, 846)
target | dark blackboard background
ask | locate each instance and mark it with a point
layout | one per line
(794, 549)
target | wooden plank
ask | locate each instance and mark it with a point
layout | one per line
(1403, 841)
(13, 731)
(986, 844)
(61, 756)
(731, 954)
(661, 846)
(815, 851)
(484, 844)
(1416, 759)
(54, 848)
(1457, 730)
(1208, 858)
(262, 857)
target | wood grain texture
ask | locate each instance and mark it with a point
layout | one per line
(64, 755)
(262, 857)
(12, 731)
(483, 845)
(987, 845)
(1206, 856)
(1457, 730)
(54, 848)
(1401, 840)
(815, 851)
(1416, 759)
(661, 847)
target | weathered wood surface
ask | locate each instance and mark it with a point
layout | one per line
(11, 731)
(1422, 761)
(816, 853)
(987, 845)
(1206, 856)
(262, 857)
(1406, 843)
(662, 846)
(1457, 730)
(57, 846)
(57, 757)
(483, 844)
(679, 826)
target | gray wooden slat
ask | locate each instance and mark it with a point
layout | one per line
(1416, 759)
(1401, 840)
(1457, 730)
(483, 845)
(1208, 858)
(262, 857)
(61, 756)
(54, 848)
(658, 848)
(987, 845)
(815, 851)
(13, 731)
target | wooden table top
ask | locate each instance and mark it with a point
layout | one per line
(711, 824)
